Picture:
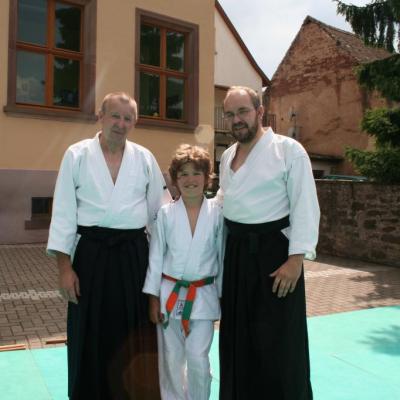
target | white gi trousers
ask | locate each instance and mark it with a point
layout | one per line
(184, 365)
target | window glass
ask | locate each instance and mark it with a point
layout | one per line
(32, 21)
(149, 94)
(150, 45)
(41, 205)
(30, 78)
(166, 71)
(68, 27)
(66, 82)
(51, 58)
(175, 98)
(175, 51)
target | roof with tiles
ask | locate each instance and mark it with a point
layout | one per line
(351, 43)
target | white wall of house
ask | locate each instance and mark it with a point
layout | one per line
(232, 67)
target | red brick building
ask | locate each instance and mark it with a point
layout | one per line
(316, 98)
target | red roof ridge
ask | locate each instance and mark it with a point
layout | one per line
(347, 41)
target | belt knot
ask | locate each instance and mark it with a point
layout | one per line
(190, 297)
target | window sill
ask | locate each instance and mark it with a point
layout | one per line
(163, 124)
(58, 115)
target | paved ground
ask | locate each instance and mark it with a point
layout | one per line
(33, 314)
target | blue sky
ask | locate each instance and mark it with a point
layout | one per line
(269, 26)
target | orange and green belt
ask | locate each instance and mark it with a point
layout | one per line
(190, 296)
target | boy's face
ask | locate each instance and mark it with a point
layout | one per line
(190, 181)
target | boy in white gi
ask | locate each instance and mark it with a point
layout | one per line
(183, 278)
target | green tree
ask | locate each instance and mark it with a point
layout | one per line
(378, 24)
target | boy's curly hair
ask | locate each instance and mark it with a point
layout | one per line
(187, 153)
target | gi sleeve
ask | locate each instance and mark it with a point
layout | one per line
(157, 252)
(304, 209)
(63, 225)
(157, 192)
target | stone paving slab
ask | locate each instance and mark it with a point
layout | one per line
(336, 285)
(31, 309)
(33, 313)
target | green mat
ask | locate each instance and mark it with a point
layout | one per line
(34, 374)
(354, 356)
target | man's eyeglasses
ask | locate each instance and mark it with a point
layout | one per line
(241, 113)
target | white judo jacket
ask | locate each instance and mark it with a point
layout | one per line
(175, 252)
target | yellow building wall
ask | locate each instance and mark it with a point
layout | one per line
(31, 148)
(38, 144)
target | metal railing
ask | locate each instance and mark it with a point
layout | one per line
(219, 122)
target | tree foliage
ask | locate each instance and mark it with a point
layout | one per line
(383, 76)
(384, 125)
(378, 23)
(382, 165)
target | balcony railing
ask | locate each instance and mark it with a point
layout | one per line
(220, 123)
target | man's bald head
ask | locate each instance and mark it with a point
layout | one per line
(122, 97)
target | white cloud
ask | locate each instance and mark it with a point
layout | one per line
(268, 27)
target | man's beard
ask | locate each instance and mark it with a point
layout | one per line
(246, 135)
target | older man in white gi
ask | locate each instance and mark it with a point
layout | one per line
(108, 190)
(272, 215)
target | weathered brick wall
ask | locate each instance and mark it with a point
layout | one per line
(316, 80)
(360, 220)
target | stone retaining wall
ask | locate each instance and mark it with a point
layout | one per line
(360, 220)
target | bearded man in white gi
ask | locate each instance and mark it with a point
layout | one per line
(271, 212)
(108, 189)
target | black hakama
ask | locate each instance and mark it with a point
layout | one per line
(263, 338)
(112, 346)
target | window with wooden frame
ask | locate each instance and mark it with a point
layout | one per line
(51, 58)
(167, 66)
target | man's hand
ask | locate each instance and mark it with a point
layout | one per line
(154, 310)
(67, 279)
(287, 275)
